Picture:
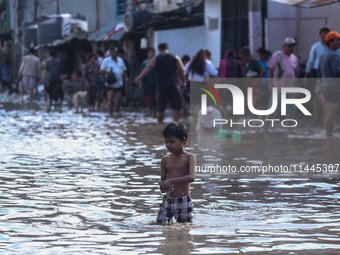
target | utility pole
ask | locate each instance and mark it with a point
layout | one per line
(36, 4)
(58, 7)
(97, 15)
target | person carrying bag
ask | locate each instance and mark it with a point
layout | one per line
(114, 69)
(110, 79)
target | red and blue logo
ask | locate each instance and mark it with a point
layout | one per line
(209, 93)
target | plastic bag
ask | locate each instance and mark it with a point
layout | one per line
(206, 122)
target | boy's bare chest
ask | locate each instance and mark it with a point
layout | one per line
(177, 167)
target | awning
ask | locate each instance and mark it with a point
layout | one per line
(77, 33)
(112, 32)
(117, 35)
(306, 3)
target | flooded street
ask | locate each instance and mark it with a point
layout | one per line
(86, 184)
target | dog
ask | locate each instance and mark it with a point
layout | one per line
(56, 94)
(78, 100)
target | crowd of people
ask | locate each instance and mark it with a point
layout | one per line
(165, 77)
(165, 72)
(165, 82)
(31, 70)
(104, 77)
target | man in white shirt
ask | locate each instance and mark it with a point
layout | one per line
(116, 65)
(29, 73)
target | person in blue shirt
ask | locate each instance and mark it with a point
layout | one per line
(264, 57)
(329, 71)
(316, 51)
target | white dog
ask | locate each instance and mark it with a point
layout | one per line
(78, 100)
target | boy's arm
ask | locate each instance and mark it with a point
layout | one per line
(163, 170)
(192, 167)
(163, 174)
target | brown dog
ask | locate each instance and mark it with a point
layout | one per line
(78, 100)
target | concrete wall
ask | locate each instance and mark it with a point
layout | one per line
(186, 41)
(212, 9)
(107, 10)
(301, 23)
(190, 40)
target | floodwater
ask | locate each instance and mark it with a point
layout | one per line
(86, 184)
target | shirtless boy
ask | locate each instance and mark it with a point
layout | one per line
(178, 170)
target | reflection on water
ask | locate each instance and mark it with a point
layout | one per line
(74, 184)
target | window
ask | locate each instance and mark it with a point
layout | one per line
(122, 6)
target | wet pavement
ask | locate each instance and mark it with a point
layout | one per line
(88, 184)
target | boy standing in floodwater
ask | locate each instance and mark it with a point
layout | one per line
(178, 170)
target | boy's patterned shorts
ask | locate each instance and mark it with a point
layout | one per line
(180, 208)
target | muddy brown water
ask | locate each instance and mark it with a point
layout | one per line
(86, 184)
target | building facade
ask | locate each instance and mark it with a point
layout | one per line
(252, 23)
(98, 13)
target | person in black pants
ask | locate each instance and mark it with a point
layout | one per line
(167, 65)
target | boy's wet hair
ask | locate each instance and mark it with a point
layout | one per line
(176, 129)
